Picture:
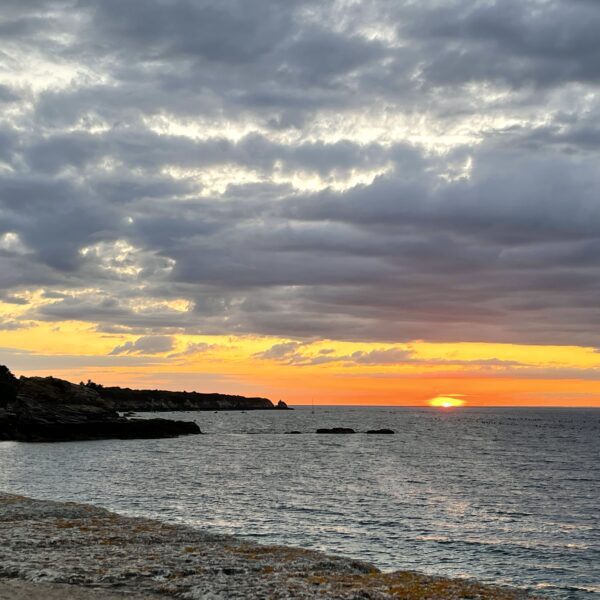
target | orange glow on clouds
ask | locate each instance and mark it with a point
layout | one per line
(301, 372)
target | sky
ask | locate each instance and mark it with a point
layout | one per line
(344, 202)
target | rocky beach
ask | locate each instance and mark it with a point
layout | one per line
(70, 551)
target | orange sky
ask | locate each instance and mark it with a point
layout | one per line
(305, 205)
(323, 371)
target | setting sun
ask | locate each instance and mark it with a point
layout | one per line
(446, 402)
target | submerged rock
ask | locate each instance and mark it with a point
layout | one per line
(47, 409)
(381, 431)
(336, 430)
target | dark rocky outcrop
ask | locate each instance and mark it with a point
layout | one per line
(336, 430)
(45, 409)
(122, 429)
(381, 431)
(125, 399)
(9, 386)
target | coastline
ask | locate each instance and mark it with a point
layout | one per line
(71, 551)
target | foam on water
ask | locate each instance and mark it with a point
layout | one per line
(503, 495)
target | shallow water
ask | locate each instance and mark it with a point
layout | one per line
(503, 495)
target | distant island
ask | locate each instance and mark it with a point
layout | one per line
(47, 409)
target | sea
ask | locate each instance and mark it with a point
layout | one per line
(502, 495)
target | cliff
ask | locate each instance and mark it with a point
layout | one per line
(45, 409)
(125, 400)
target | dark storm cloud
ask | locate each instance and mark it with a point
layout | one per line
(385, 170)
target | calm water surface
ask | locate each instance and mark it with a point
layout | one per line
(503, 495)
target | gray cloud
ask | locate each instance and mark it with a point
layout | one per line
(149, 151)
(281, 351)
(12, 324)
(150, 344)
(22, 360)
(419, 171)
(195, 348)
(291, 353)
(543, 43)
(7, 94)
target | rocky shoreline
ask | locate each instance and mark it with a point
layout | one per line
(47, 409)
(70, 551)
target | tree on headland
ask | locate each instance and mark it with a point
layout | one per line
(92, 385)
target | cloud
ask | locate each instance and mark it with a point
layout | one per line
(284, 350)
(542, 43)
(299, 354)
(382, 357)
(23, 360)
(149, 344)
(13, 324)
(195, 348)
(369, 171)
(7, 95)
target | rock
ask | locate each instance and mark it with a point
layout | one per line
(293, 432)
(336, 430)
(8, 386)
(381, 431)
(133, 559)
(47, 409)
(281, 405)
(122, 429)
